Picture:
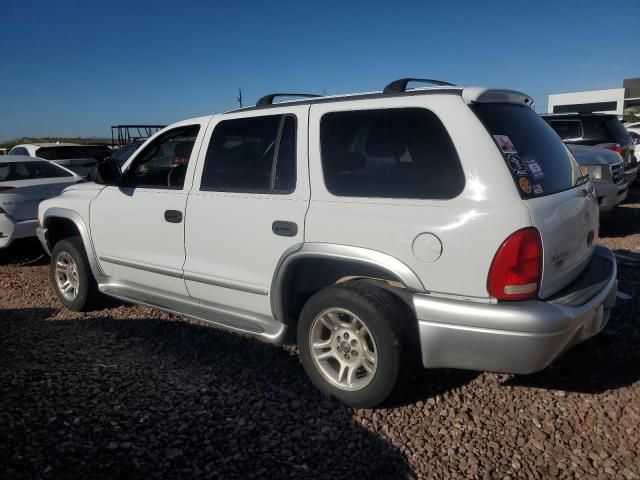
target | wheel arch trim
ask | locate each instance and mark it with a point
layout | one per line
(77, 220)
(346, 253)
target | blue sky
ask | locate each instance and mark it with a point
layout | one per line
(76, 67)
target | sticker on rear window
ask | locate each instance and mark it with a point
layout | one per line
(505, 144)
(537, 189)
(525, 184)
(534, 168)
(516, 165)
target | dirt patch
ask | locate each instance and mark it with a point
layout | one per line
(131, 392)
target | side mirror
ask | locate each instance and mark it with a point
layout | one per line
(107, 173)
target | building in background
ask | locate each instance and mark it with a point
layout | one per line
(624, 102)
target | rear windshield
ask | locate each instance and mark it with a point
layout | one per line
(617, 129)
(539, 162)
(13, 171)
(62, 153)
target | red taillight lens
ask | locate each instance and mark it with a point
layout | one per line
(616, 148)
(6, 189)
(517, 267)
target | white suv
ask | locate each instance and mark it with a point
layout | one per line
(443, 224)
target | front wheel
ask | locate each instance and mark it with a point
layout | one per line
(71, 275)
(352, 342)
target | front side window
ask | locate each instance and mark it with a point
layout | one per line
(14, 171)
(163, 163)
(390, 153)
(256, 154)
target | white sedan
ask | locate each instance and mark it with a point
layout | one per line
(24, 183)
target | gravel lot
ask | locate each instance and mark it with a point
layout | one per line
(132, 392)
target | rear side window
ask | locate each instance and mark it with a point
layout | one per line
(256, 154)
(19, 151)
(390, 153)
(14, 171)
(596, 130)
(618, 131)
(539, 162)
(567, 128)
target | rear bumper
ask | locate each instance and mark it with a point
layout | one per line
(11, 230)
(610, 194)
(512, 337)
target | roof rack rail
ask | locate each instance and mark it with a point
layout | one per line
(268, 99)
(399, 86)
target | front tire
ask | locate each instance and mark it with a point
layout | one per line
(71, 276)
(352, 342)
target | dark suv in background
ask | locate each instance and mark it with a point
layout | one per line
(599, 130)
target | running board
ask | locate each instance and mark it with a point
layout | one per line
(225, 317)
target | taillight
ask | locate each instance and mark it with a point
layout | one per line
(616, 148)
(6, 189)
(517, 267)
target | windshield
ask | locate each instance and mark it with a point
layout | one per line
(536, 157)
(14, 171)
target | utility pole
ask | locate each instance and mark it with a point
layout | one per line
(239, 97)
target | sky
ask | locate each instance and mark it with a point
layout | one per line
(74, 68)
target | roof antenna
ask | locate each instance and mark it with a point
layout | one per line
(239, 97)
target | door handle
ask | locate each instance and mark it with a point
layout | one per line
(284, 228)
(173, 216)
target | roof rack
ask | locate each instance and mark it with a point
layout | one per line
(399, 86)
(268, 99)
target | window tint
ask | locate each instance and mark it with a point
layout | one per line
(13, 171)
(163, 163)
(539, 162)
(391, 153)
(567, 128)
(242, 154)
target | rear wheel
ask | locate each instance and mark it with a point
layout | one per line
(352, 342)
(71, 275)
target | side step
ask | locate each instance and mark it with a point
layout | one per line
(231, 319)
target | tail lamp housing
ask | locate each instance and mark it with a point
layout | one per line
(516, 270)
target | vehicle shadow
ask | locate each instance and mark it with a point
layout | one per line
(610, 360)
(24, 251)
(624, 219)
(139, 398)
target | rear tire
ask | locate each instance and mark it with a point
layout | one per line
(353, 343)
(71, 276)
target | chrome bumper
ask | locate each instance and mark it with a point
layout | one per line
(43, 235)
(509, 337)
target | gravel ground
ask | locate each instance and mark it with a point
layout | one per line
(133, 392)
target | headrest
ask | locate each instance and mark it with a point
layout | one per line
(381, 142)
(183, 149)
(347, 162)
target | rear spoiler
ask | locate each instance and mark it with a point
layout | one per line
(487, 95)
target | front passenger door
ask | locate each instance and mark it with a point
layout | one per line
(138, 227)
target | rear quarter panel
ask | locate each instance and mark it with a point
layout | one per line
(470, 227)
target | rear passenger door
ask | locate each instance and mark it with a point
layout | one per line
(247, 205)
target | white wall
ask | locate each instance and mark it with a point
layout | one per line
(591, 96)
